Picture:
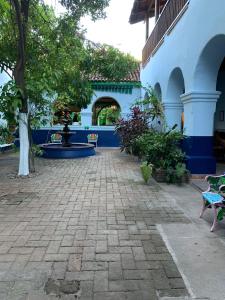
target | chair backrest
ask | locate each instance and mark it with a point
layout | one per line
(56, 138)
(215, 182)
(92, 137)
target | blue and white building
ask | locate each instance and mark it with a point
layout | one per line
(106, 94)
(184, 60)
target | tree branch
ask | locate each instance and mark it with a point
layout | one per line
(5, 69)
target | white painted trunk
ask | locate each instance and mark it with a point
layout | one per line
(24, 144)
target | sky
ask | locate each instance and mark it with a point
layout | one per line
(115, 30)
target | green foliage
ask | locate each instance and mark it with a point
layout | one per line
(79, 8)
(175, 175)
(152, 105)
(6, 136)
(109, 115)
(36, 150)
(111, 63)
(132, 127)
(162, 150)
(146, 171)
(59, 60)
(221, 214)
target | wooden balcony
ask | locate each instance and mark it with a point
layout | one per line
(169, 14)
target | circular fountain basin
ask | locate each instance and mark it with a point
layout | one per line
(76, 150)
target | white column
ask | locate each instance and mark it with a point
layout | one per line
(173, 112)
(199, 109)
(86, 118)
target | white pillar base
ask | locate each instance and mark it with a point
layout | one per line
(24, 145)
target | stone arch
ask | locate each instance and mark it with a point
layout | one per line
(176, 86)
(102, 103)
(208, 64)
(158, 91)
(173, 105)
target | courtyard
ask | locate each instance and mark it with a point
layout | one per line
(91, 229)
(89, 220)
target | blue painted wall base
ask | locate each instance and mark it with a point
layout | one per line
(106, 138)
(201, 164)
(199, 153)
(56, 151)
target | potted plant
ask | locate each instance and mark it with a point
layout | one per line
(163, 151)
(146, 171)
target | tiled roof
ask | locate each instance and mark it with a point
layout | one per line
(132, 77)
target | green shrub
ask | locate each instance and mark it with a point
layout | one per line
(146, 171)
(6, 136)
(163, 151)
(132, 127)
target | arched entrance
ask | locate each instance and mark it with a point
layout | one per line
(173, 104)
(158, 91)
(208, 64)
(105, 112)
(219, 117)
(200, 106)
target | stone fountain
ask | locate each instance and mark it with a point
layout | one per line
(67, 149)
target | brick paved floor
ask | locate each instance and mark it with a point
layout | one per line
(88, 220)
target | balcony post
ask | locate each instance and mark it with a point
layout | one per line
(147, 27)
(156, 10)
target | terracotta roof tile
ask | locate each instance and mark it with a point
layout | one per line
(132, 77)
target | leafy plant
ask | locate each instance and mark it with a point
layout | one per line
(146, 170)
(6, 136)
(36, 150)
(109, 115)
(132, 127)
(176, 175)
(152, 105)
(163, 151)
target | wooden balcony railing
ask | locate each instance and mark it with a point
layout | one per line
(166, 19)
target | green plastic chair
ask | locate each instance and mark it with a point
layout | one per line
(93, 138)
(56, 138)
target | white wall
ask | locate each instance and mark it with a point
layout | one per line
(185, 48)
(124, 100)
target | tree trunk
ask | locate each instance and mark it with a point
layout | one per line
(21, 14)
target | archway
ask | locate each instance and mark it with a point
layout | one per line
(105, 111)
(173, 104)
(209, 77)
(158, 91)
(200, 106)
(219, 117)
(208, 64)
